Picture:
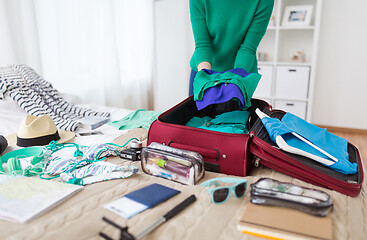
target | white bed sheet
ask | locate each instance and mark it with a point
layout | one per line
(11, 116)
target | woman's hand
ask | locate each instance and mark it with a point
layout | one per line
(205, 65)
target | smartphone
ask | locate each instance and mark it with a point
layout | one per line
(82, 134)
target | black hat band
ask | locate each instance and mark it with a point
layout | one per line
(38, 141)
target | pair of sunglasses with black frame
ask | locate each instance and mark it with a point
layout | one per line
(221, 194)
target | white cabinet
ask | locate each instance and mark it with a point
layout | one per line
(287, 59)
(264, 87)
(292, 82)
(297, 108)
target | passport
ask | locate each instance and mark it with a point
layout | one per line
(141, 199)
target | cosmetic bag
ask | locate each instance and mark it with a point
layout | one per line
(236, 154)
(174, 164)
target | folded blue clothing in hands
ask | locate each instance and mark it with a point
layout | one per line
(245, 83)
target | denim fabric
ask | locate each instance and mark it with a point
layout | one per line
(191, 86)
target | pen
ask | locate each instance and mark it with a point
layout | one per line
(172, 166)
(155, 170)
(170, 214)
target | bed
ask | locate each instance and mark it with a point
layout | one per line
(80, 217)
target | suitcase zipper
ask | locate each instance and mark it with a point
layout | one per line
(351, 181)
(256, 161)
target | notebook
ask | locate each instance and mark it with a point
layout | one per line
(283, 223)
(141, 199)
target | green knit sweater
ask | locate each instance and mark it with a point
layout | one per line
(228, 32)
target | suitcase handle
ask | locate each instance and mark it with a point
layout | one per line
(204, 152)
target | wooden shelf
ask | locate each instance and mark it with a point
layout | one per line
(291, 28)
(293, 63)
(296, 27)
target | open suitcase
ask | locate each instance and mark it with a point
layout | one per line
(235, 154)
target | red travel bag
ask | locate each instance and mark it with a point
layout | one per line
(235, 154)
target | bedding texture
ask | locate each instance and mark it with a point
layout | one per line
(80, 216)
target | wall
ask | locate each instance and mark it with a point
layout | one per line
(341, 83)
(341, 80)
(9, 53)
(17, 46)
(173, 47)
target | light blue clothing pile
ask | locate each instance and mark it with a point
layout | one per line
(139, 119)
(229, 122)
(330, 143)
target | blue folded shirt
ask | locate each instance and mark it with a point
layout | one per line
(330, 143)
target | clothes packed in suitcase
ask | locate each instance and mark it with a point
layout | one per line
(236, 153)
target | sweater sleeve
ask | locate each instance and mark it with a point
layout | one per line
(203, 48)
(246, 54)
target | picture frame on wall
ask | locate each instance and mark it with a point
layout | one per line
(297, 15)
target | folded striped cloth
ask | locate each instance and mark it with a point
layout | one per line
(37, 97)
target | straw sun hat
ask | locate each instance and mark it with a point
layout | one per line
(38, 131)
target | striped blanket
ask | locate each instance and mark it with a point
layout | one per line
(37, 97)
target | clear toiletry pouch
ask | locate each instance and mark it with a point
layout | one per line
(175, 164)
(267, 191)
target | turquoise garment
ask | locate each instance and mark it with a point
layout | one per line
(229, 122)
(198, 122)
(139, 119)
(247, 83)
